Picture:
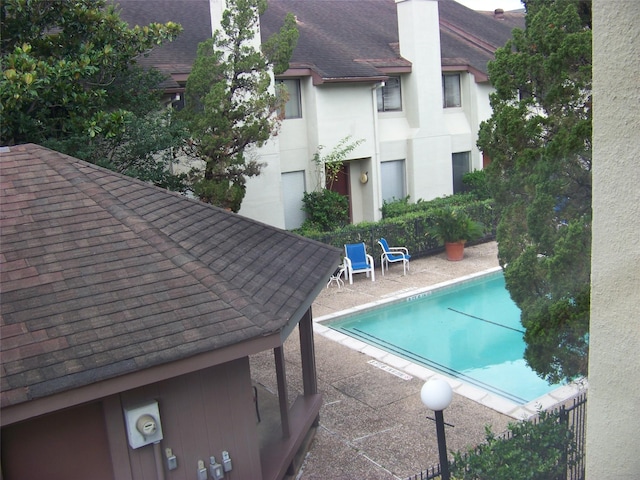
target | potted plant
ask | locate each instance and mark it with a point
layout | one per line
(454, 228)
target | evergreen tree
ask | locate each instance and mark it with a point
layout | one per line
(231, 107)
(539, 141)
(70, 82)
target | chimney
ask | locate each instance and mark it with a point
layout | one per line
(498, 13)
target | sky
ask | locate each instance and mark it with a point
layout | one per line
(490, 5)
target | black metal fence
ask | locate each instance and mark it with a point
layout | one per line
(575, 417)
(430, 473)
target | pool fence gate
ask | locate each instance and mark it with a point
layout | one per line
(574, 416)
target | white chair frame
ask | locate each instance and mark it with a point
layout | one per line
(384, 258)
(351, 271)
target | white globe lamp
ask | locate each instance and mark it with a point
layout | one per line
(436, 394)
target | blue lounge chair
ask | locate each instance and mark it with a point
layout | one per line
(358, 261)
(393, 254)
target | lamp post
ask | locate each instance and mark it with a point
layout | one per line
(436, 394)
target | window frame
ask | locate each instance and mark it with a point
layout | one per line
(296, 97)
(458, 160)
(398, 173)
(387, 91)
(446, 88)
(294, 185)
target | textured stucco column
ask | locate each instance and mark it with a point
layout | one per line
(613, 407)
(429, 169)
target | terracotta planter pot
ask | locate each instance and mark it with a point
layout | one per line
(455, 251)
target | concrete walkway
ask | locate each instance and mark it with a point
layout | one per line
(372, 423)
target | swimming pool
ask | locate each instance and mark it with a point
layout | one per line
(470, 331)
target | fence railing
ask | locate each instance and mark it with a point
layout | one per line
(574, 416)
(429, 474)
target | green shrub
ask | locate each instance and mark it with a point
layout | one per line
(410, 230)
(402, 207)
(395, 207)
(532, 451)
(326, 210)
(454, 225)
(476, 184)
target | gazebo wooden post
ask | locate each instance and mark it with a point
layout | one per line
(307, 354)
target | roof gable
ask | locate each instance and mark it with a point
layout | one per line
(340, 40)
(104, 275)
(358, 39)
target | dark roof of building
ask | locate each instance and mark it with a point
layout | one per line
(340, 40)
(469, 38)
(176, 57)
(513, 18)
(343, 39)
(104, 275)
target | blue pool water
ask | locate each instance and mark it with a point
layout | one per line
(470, 331)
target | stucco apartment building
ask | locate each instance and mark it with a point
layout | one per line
(407, 78)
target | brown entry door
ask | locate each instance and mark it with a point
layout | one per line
(341, 185)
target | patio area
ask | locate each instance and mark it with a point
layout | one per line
(372, 422)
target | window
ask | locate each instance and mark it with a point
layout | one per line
(451, 91)
(293, 188)
(389, 99)
(177, 101)
(524, 92)
(460, 167)
(393, 180)
(293, 107)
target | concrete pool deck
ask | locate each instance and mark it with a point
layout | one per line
(372, 422)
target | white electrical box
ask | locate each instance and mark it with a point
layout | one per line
(143, 425)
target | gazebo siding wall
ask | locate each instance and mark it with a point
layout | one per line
(202, 414)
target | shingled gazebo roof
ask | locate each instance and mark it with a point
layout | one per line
(104, 275)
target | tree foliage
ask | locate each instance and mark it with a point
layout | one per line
(70, 82)
(539, 140)
(231, 106)
(533, 450)
(326, 209)
(329, 166)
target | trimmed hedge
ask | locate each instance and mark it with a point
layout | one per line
(411, 228)
(402, 207)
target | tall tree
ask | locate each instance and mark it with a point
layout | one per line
(539, 140)
(70, 82)
(231, 106)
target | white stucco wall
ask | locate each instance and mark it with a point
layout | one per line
(345, 109)
(423, 134)
(429, 172)
(263, 200)
(613, 404)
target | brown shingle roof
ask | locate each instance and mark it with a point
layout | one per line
(340, 40)
(176, 57)
(103, 275)
(470, 38)
(336, 34)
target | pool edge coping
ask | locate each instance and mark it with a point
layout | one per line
(473, 393)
